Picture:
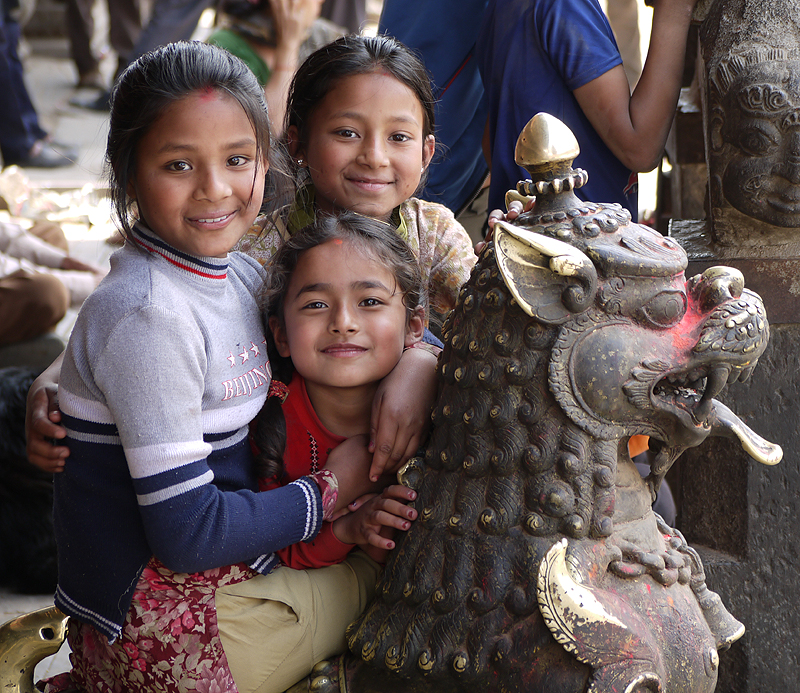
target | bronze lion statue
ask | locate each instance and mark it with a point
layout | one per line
(537, 563)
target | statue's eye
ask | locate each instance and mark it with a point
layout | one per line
(665, 309)
(755, 142)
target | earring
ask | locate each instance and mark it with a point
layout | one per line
(422, 170)
(301, 162)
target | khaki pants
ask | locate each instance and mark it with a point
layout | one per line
(275, 628)
(31, 304)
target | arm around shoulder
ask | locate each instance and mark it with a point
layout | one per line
(43, 419)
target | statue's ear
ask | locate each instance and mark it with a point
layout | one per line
(551, 280)
(715, 125)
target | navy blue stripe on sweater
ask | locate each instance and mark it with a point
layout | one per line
(172, 482)
(104, 625)
(84, 426)
(90, 431)
(214, 437)
(265, 564)
(314, 519)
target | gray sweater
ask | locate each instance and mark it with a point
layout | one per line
(165, 368)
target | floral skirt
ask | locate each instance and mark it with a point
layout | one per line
(169, 644)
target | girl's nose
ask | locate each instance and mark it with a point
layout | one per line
(343, 320)
(212, 185)
(373, 153)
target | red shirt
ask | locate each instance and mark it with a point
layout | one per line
(308, 444)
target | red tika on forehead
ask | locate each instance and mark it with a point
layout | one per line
(207, 93)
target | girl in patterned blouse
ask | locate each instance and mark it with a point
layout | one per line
(359, 127)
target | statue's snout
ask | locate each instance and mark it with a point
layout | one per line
(716, 286)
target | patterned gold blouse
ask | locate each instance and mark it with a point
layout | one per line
(439, 242)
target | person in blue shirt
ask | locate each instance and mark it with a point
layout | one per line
(459, 168)
(560, 57)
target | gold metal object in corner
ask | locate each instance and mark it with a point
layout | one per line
(24, 642)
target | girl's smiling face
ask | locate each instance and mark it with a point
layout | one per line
(198, 182)
(365, 149)
(344, 322)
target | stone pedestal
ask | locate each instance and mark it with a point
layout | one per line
(740, 515)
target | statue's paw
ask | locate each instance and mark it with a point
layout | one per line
(411, 473)
(324, 677)
(598, 628)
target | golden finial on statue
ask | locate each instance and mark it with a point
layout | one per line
(546, 149)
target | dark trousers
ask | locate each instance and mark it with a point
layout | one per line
(171, 20)
(124, 28)
(19, 124)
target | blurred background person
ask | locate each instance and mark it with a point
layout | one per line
(623, 16)
(124, 27)
(22, 140)
(351, 14)
(39, 281)
(273, 37)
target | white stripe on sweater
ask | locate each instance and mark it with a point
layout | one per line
(173, 491)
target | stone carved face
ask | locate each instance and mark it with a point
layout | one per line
(756, 135)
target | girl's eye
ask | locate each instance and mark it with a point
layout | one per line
(178, 166)
(371, 302)
(238, 160)
(400, 137)
(346, 132)
(315, 305)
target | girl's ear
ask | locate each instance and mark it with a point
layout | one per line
(415, 327)
(428, 150)
(293, 143)
(279, 336)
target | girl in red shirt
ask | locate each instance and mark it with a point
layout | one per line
(343, 302)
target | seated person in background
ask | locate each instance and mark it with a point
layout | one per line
(272, 37)
(38, 282)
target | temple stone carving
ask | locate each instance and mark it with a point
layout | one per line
(751, 59)
(742, 520)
